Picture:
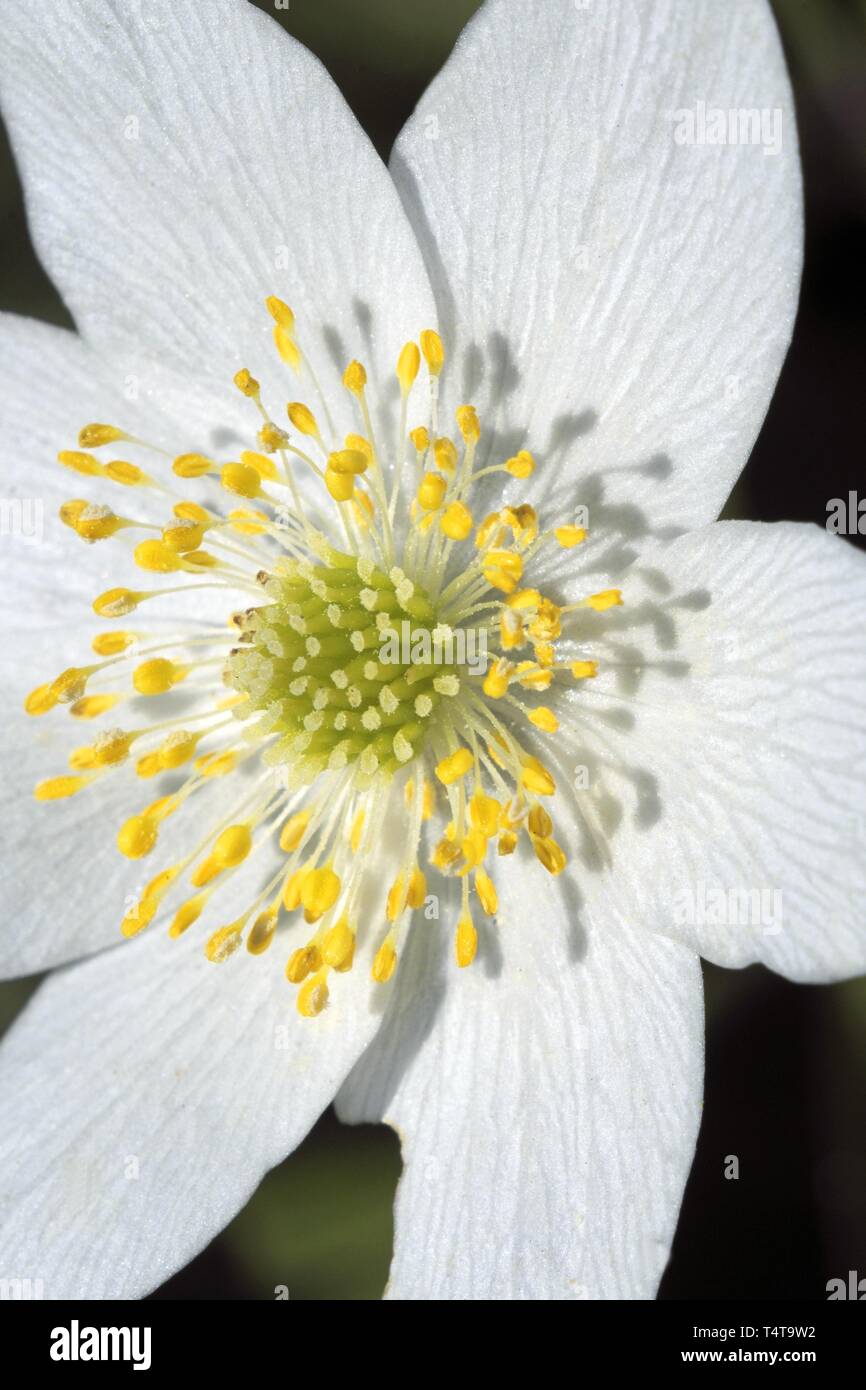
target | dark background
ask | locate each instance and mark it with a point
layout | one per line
(786, 1064)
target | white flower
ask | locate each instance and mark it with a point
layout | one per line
(616, 301)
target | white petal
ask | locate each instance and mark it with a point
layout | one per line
(616, 300)
(180, 164)
(64, 885)
(547, 1099)
(739, 668)
(143, 1094)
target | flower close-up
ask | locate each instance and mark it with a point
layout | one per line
(390, 720)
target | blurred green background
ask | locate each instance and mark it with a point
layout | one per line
(786, 1065)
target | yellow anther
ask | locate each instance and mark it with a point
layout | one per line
(319, 891)
(192, 465)
(338, 945)
(85, 464)
(497, 679)
(530, 676)
(264, 466)
(490, 527)
(40, 700)
(191, 511)
(247, 522)
(271, 438)
(570, 536)
(524, 600)
(303, 962)
(313, 996)
(177, 749)
(486, 893)
(523, 521)
(507, 842)
(138, 917)
(455, 766)
(445, 855)
(396, 900)
(112, 643)
(456, 521)
(303, 419)
(57, 788)
(434, 352)
(341, 486)
(294, 830)
(429, 801)
(356, 832)
(608, 598)
(232, 846)
(484, 812)
(94, 436)
(223, 943)
(187, 913)
(407, 366)
(502, 569)
(549, 853)
(182, 536)
(156, 557)
(160, 883)
(70, 684)
(384, 961)
(511, 629)
(287, 348)
(157, 676)
(246, 384)
(584, 670)
(445, 455)
(467, 420)
(522, 465)
(241, 479)
(280, 313)
(96, 523)
(127, 474)
(473, 848)
(111, 748)
(292, 889)
(350, 461)
(431, 490)
(536, 778)
(355, 378)
(82, 759)
(544, 719)
(360, 445)
(69, 512)
(420, 438)
(262, 931)
(417, 890)
(546, 625)
(148, 766)
(538, 822)
(137, 836)
(216, 764)
(465, 941)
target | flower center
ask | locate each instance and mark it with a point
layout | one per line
(391, 645)
(337, 660)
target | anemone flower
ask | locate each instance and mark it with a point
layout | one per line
(452, 725)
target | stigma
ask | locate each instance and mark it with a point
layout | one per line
(383, 642)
